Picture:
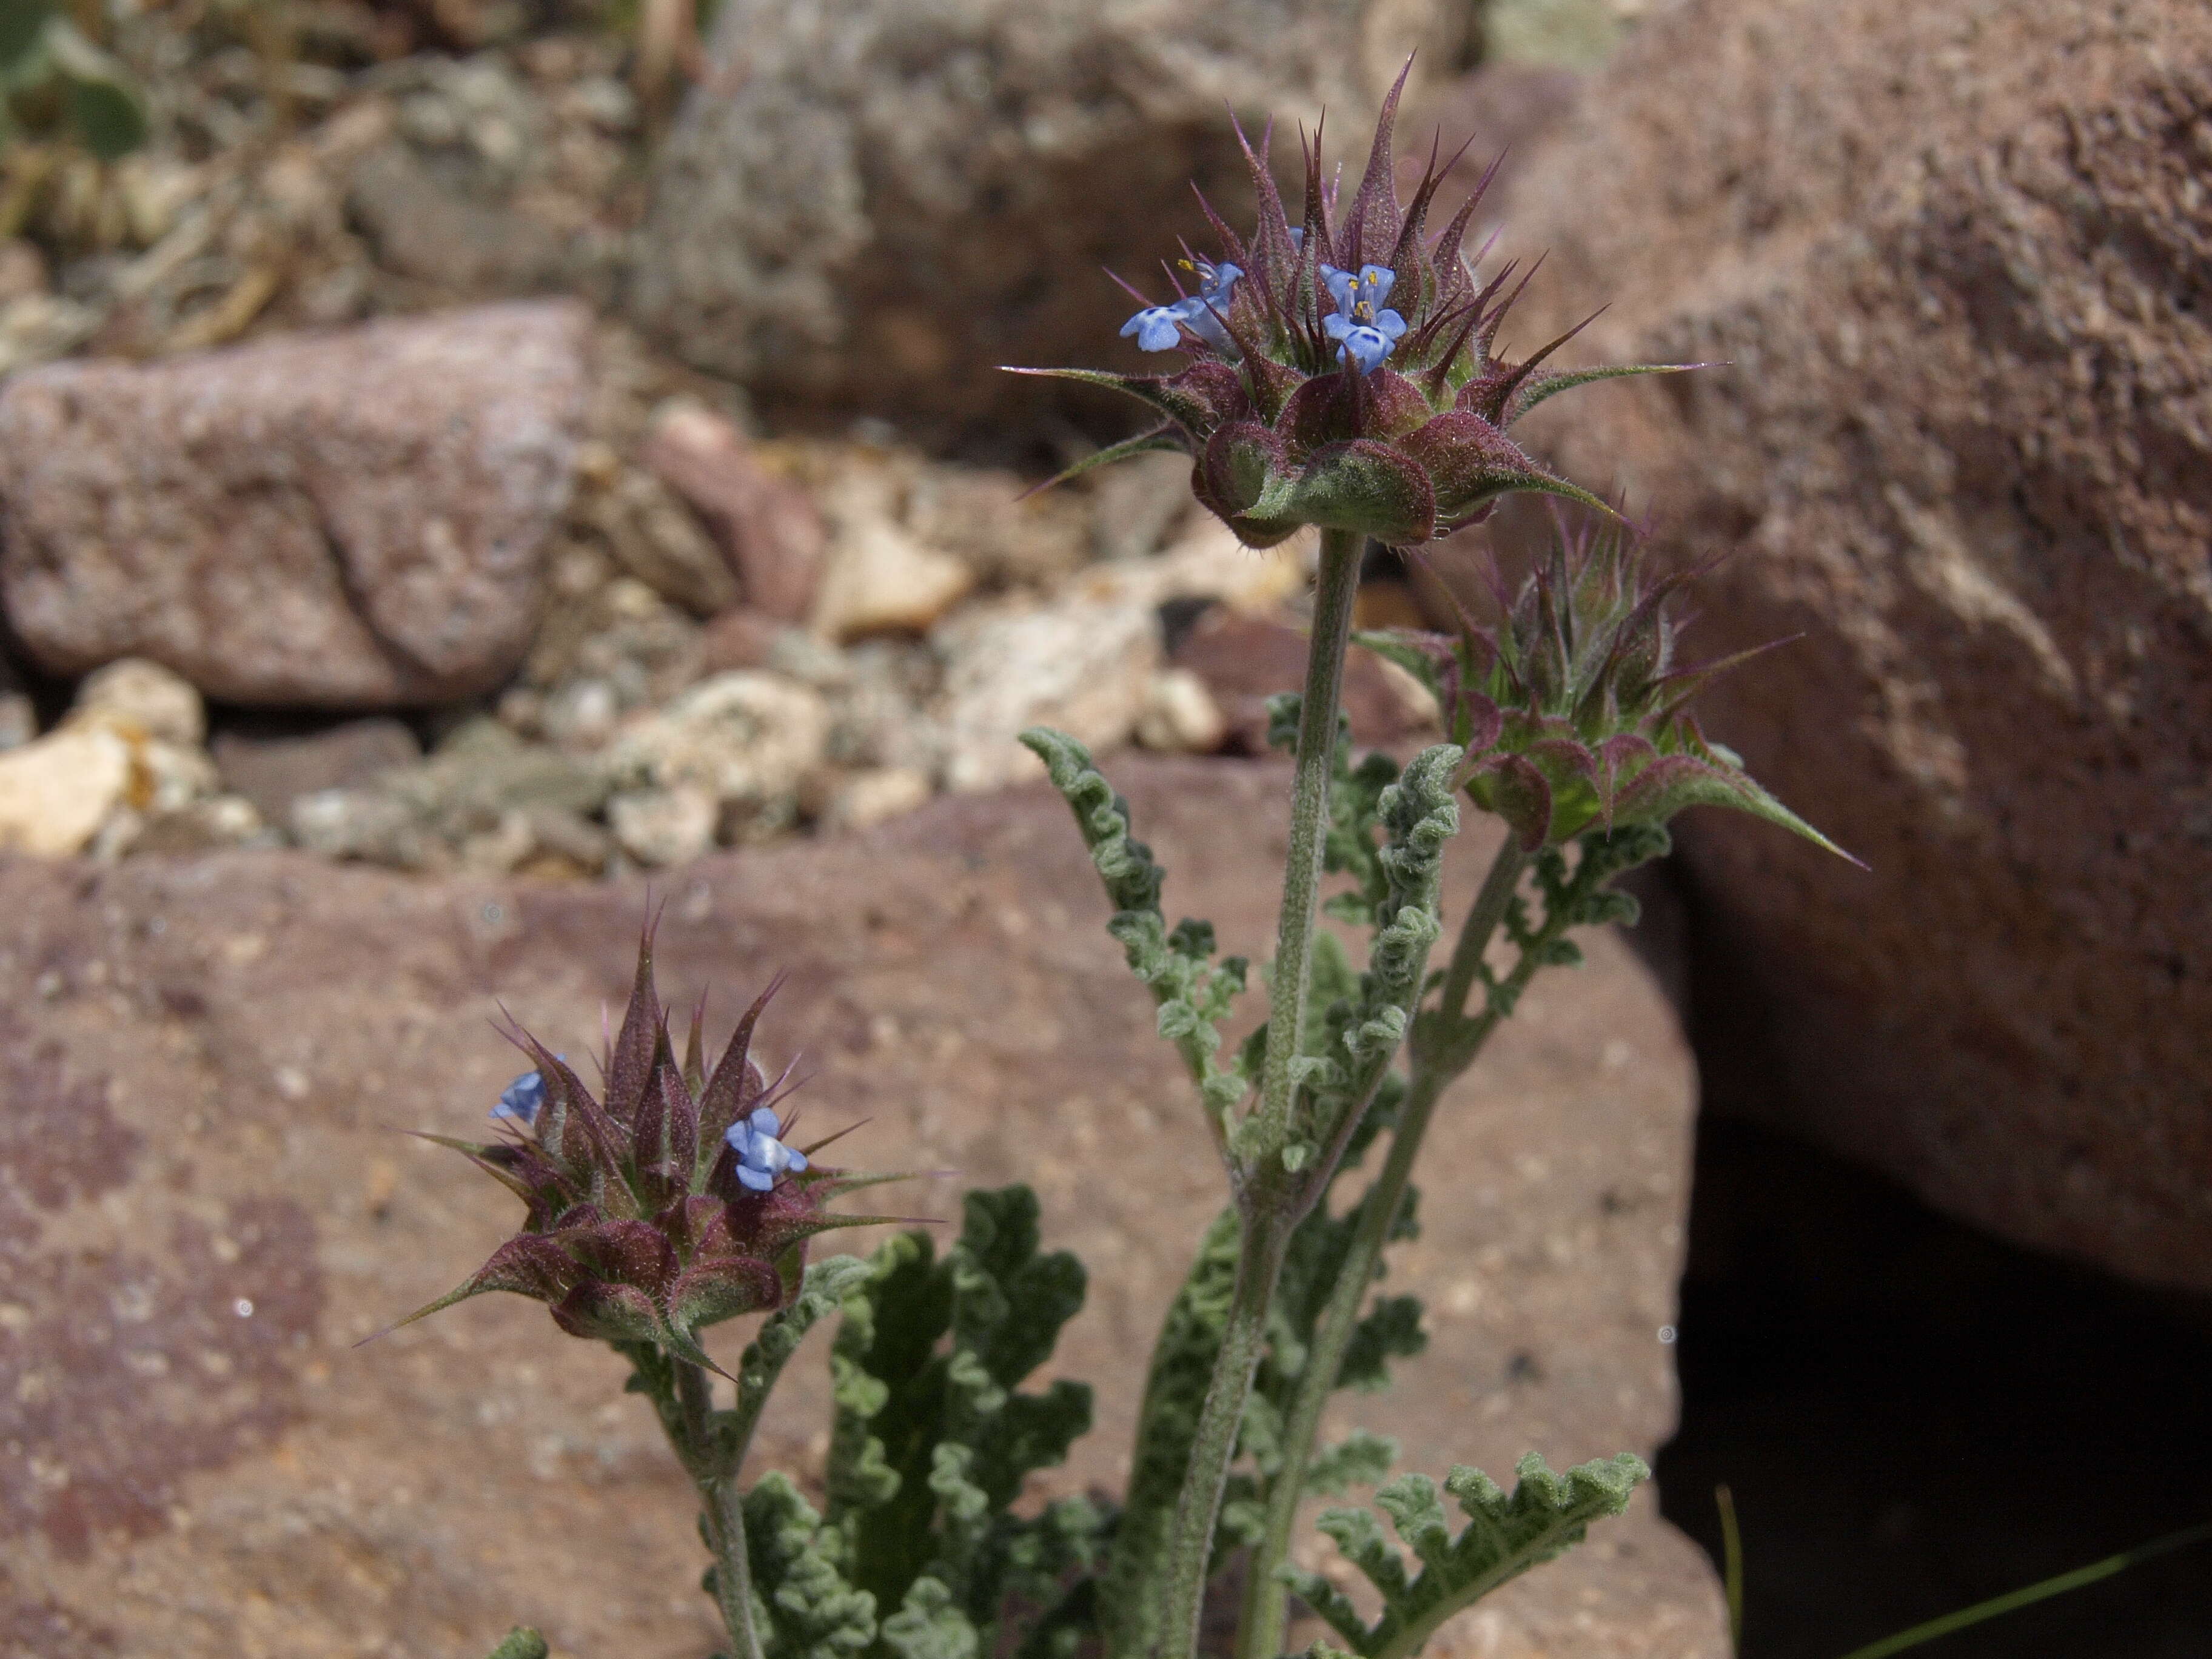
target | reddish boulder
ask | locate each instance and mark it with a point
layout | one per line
(348, 520)
(1955, 264)
(767, 527)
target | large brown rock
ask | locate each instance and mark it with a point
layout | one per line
(1956, 261)
(205, 1201)
(873, 206)
(346, 520)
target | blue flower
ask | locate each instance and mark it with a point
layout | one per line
(522, 1100)
(1366, 344)
(1204, 310)
(1364, 328)
(761, 1157)
(1159, 328)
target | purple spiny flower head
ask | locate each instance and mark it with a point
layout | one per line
(1311, 399)
(761, 1155)
(664, 1203)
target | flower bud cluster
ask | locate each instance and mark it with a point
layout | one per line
(1572, 708)
(669, 1204)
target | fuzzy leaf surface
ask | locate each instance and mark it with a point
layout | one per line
(1544, 1515)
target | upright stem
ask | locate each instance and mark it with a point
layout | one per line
(1490, 905)
(1214, 1444)
(1338, 583)
(1264, 1195)
(716, 1475)
(1259, 1634)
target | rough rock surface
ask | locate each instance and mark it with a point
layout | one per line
(1958, 261)
(204, 1201)
(769, 531)
(874, 206)
(58, 790)
(272, 770)
(348, 520)
(1242, 660)
(1082, 667)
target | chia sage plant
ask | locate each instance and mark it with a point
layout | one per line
(1341, 372)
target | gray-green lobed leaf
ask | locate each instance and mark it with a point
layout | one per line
(934, 1439)
(1545, 1515)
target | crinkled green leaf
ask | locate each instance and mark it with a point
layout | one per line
(934, 1440)
(1360, 1459)
(1195, 992)
(1175, 1390)
(1545, 1515)
(928, 1625)
(804, 1606)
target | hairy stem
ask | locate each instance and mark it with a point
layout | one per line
(1481, 923)
(1338, 583)
(1262, 1628)
(1259, 1264)
(714, 1472)
(1265, 1195)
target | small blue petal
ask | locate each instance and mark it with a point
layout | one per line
(1376, 282)
(758, 1180)
(797, 1160)
(1389, 324)
(522, 1099)
(1339, 283)
(1297, 237)
(765, 1121)
(1204, 320)
(1156, 328)
(1336, 325)
(1366, 347)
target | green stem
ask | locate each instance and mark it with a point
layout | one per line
(1334, 589)
(715, 1474)
(1265, 1195)
(1266, 1612)
(1481, 923)
(1214, 1444)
